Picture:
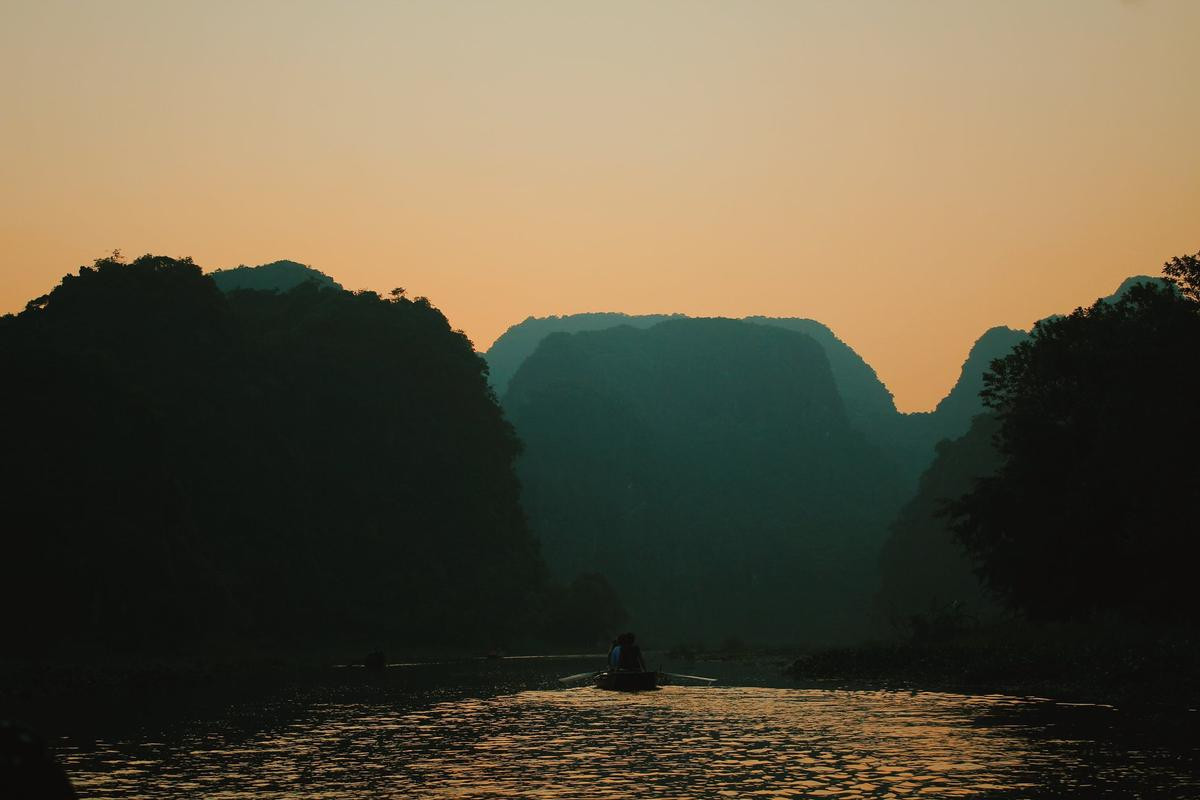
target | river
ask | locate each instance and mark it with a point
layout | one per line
(500, 729)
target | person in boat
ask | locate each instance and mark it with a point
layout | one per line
(630, 657)
(614, 653)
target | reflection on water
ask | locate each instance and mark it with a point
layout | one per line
(678, 742)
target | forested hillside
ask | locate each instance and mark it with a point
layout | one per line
(1092, 507)
(296, 468)
(278, 276)
(905, 439)
(517, 343)
(708, 468)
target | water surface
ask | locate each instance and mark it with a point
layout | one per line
(498, 738)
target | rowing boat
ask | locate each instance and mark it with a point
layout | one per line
(622, 680)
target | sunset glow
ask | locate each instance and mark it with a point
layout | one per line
(910, 174)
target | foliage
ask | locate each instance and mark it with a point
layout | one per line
(1093, 506)
(1184, 272)
(278, 276)
(290, 467)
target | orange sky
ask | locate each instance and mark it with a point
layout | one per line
(909, 173)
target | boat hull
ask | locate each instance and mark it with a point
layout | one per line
(627, 681)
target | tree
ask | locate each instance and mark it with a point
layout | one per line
(1184, 272)
(1093, 506)
(308, 466)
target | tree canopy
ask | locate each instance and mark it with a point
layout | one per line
(1092, 508)
(292, 467)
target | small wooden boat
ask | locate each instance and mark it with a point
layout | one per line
(623, 680)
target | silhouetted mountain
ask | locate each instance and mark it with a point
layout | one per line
(516, 344)
(279, 276)
(1092, 508)
(924, 569)
(303, 467)
(956, 410)
(906, 439)
(708, 468)
(909, 439)
(1129, 283)
(954, 413)
(868, 403)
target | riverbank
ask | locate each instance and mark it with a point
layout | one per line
(1124, 667)
(66, 689)
(54, 695)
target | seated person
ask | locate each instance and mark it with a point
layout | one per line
(630, 657)
(614, 654)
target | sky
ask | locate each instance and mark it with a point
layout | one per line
(908, 172)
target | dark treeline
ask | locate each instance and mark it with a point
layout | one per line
(288, 463)
(1051, 549)
(1073, 497)
(1093, 506)
(278, 276)
(305, 468)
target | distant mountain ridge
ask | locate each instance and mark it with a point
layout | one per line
(708, 468)
(923, 567)
(683, 456)
(870, 406)
(278, 276)
(953, 414)
(866, 397)
(518, 342)
(868, 402)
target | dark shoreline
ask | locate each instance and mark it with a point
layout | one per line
(1151, 674)
(1146, 670)
(54, 693)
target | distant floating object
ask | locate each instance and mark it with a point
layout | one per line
(375, 661)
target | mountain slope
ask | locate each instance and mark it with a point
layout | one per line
(516, 344)
(708, 468)
(188, 466)
(279, 276)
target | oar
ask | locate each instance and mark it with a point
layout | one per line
(689, 677)
(582, 676)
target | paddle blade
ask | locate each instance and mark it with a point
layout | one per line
(579, 678)
(690, 677)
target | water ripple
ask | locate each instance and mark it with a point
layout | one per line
(675, 743)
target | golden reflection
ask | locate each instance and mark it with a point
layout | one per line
(680, 742)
